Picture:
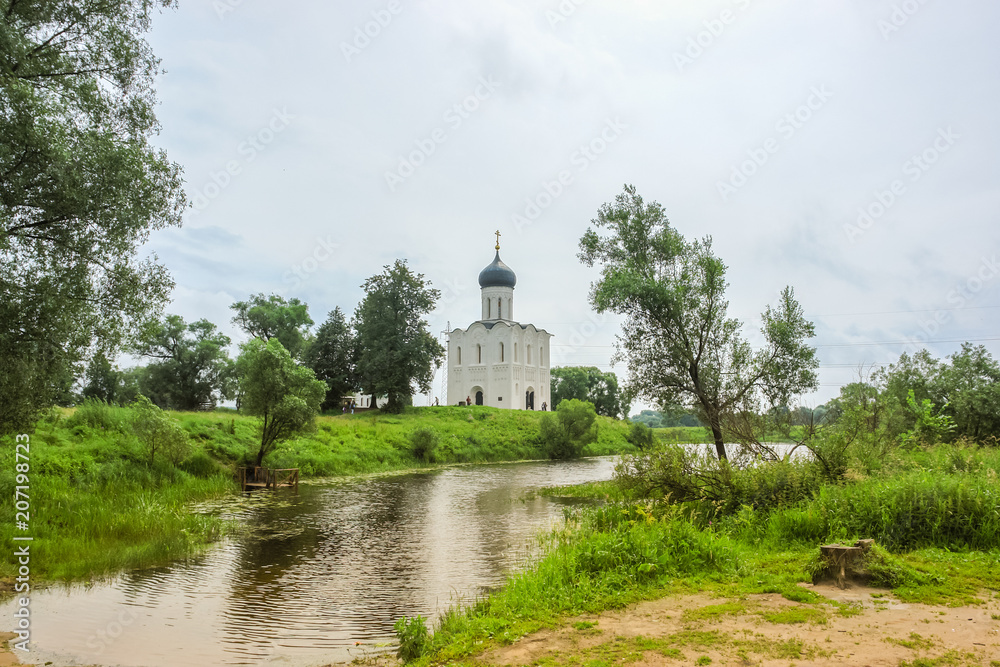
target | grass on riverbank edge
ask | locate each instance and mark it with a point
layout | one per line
(99, 506)
(937, 508)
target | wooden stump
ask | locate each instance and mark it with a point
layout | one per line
(844, 563)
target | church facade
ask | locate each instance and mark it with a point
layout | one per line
(498, 361)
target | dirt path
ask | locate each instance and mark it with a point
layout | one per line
(873, 629)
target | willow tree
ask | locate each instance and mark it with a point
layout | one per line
(680, 347)
(80, 189)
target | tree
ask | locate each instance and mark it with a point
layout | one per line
(396, 352)
(80, 189)
(571, 428)
(971, 388)
(283, 394)
(267, 317)
(158, 432)
(193, 368)
(588, 383)
(680, 347)
(332, 355)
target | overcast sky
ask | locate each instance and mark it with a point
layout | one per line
(848, 148)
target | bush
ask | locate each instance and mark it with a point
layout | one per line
(158, 432)
(97, 413)
(413, 638)
(640, 436)
(572, 428)
(423, 444)
(201, 465)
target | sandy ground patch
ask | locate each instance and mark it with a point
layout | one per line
(768, 630)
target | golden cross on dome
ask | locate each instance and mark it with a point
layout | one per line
(497, 232)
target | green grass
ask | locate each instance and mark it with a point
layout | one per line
(934, 511)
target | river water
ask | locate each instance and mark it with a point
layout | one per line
(315, 572)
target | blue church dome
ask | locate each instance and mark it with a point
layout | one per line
(497, 274)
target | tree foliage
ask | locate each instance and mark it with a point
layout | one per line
(569, 429)
(396, 352)
(271, 316)
(680, 347)
(285, 395)
(80, 189)
(588, 383)
(105, 381)
(158, 433)
(332, 355)
(192, 368)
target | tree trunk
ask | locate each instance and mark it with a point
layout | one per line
(260, 456)
(720, 445)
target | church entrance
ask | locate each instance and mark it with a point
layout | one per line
(529, 400)
(479, 398)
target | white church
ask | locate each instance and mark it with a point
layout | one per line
(498, 361)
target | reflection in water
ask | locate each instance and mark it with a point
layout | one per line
(314, 572)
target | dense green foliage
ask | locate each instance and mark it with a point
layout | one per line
(272, 316)
(396, 352)
(591, 384)
(81, 187)
(680, 347)
(105, 382)
(192, 367)
(98, 503)
(285, 396)
(571, 428)
(657, 419)
(332, 355)
(158, 433)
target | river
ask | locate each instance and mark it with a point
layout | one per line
(318, 575)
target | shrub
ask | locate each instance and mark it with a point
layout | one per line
(413, 638)
(201, 465)
(640, 436)
(423, 443)
(572, 428)
(97, 413)
(158, 432)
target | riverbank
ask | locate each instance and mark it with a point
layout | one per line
(934, 512)
(99, 505)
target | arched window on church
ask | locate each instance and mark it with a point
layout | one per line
(499, 309)
(541, 356)
(479, 354)
(515, 353)
(501, 352)
(459, 355)
(528, 354)
(489, 309)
